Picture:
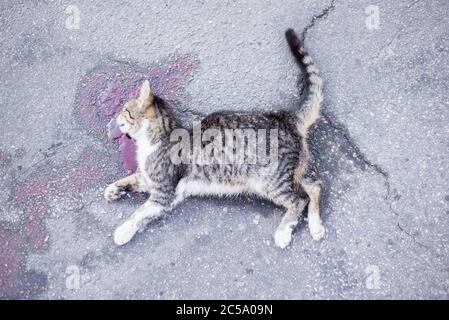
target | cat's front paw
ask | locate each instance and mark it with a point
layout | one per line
(317, 232)
(283, 237)
(125, 232)
(112, 192)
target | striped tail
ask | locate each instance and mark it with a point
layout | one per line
(310, 110)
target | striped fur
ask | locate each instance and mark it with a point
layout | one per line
(149, 121)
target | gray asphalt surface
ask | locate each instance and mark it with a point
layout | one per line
(381, 148)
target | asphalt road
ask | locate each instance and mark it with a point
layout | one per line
(381, 148)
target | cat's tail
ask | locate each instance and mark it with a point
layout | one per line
(310, 110)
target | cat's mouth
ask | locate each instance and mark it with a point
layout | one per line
(114, 131)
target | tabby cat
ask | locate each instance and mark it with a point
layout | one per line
(151, 124)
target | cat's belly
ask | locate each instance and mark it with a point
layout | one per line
(204, 188)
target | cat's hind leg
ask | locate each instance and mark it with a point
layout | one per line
(117, 189)
(313, 190)
(294, 203)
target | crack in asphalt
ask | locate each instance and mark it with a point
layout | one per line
(385, 175)
(429, 248)
(412, 237)
(321, 16)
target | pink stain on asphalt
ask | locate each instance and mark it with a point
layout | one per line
(31, 189)
(34, 228)
(107, 89)
(128, 154)
(102, 95)
(84, 176)
(11, 259)
(33, 197)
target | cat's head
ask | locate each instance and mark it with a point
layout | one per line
(135, 113)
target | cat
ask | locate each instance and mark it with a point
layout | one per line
(149, 121)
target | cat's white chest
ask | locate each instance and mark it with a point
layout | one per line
(144, 149)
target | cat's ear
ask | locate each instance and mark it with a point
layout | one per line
(145, 91)
(146, 99)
